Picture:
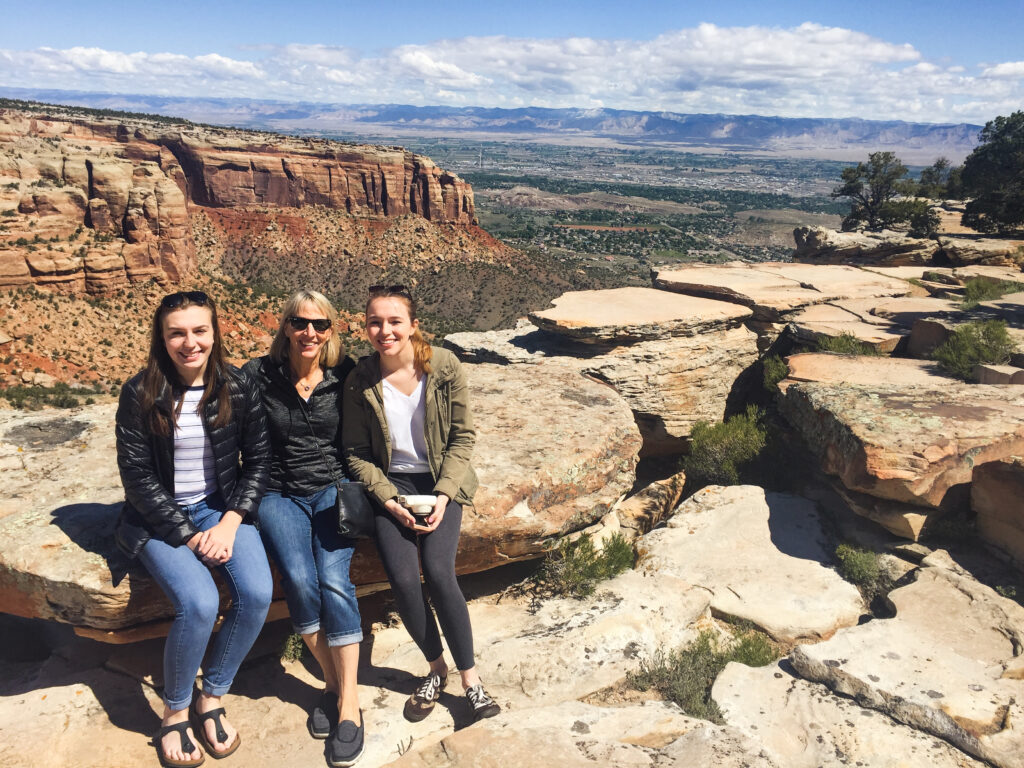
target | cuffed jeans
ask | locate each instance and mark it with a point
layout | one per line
(301, 535)
(190, 587)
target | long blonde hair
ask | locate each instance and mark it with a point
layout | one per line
(331, 351)
(421, 350)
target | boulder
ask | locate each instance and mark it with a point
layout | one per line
(813, 323)
(646, 509)
(763, 557)
(998, 374)
(989, 252)
(550, 469)
(997, 497)
(816, 245)
(774, 289)
(624, 315)
(939, 666)
(913, 444)
(801, 725)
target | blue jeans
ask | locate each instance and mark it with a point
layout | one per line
(191, 589)
(301, 534)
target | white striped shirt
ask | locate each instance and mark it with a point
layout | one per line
(194, 476)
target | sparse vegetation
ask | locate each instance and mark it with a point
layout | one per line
(978, 289)
(979, 342)
(774, 370)
(861, 567)
(293, 648)
(845, 344)
(685, 675)
(575, 567)
(719, 451)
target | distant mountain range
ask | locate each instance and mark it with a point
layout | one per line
(843, 138)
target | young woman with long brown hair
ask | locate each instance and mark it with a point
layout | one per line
(193, 455)
(407, 430)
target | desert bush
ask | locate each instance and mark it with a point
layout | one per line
(775, 370)
(861, 567)
(719, 451)
(293, 648)
(979, 342)
(845, 344)
(685, 675)
(978, 289)
(575, 567)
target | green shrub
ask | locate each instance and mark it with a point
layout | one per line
(845, 344)
(978, 289)
(976, 343)
(293, 648)
(775, 370)
(575, 567)
(718, 451)
(862, 568)
(685, 676)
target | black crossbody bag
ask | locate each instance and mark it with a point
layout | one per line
(355, 510)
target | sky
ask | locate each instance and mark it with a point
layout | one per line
(936, 61)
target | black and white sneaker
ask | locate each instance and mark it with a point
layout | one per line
(324, 715)
(422, 701)
(346, 744)
(482, 704)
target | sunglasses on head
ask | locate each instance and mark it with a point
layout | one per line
(390, 290)
(320, 324)
(175, 300)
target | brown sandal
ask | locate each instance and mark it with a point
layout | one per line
(215, 715)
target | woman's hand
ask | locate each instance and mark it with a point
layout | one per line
(217, 543)
(437, 515)
(400, 513)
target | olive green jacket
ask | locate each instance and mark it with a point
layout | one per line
(447, 426)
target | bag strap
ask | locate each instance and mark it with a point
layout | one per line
(316, 441)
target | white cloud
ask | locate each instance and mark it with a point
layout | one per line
(809, 70)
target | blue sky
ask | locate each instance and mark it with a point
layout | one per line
(932, 61)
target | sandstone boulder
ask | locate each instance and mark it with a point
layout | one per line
(997, 496)
(773, 289)
(763, 557)
(912, 444)
(816, 245)
(862, 369)
(938, 666)
(801, 725)
(830, 321)
(544, 471)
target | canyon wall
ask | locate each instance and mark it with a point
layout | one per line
(90, 205)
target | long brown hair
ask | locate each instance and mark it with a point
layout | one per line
(160, 377)
(420, 347)
(330, 353)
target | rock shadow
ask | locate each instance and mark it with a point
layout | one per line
(795, 527)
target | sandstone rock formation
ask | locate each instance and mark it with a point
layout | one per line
(679, 374)
(997, 491)
(862, 369)
(815, 245)
(763, 557)
(544, 471)
(923, 669)
(911, 444)
(90, 205)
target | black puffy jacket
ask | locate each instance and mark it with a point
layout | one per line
(146, 463)
(297, 466)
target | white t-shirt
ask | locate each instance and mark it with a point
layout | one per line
(194, 476)
(405, 414)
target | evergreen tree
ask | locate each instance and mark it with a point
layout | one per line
(993, 175)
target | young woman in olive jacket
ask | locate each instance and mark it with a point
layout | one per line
(301, 382)
(407, 429)
(193, 456)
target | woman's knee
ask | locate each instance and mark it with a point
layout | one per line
(199, 604)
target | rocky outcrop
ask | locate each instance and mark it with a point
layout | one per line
(815, 245)
(912, 444)
(90, 205)
(862, 370)
(763, 557)
(997, 488)
(673, 378)
(773, 289)
(923, 669)
(544, 471)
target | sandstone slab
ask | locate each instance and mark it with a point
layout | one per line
(803, 725)
(544, 471)
(938, 666)
(763, 557)
(862, 369)
(773, 289)
(633, 314)
(997, 497)
(830, 321)
(912, 444)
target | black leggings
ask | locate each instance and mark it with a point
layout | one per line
(398, 550)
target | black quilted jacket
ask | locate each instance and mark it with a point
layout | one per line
(146, 463)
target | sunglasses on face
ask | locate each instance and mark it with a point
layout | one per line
(320, 324)
(175, 300)
(390, 290)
